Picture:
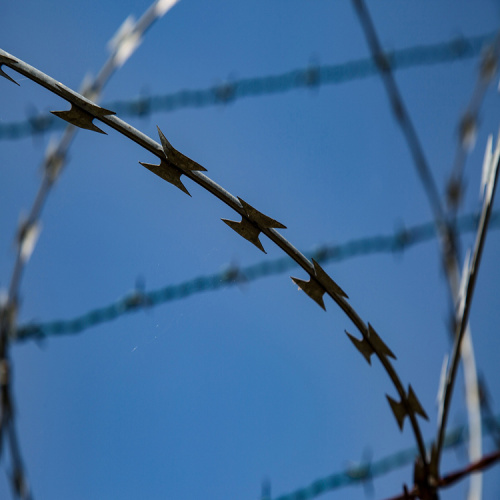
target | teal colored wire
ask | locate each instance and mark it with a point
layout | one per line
(313, 76)
(138, 300)
(368, 471)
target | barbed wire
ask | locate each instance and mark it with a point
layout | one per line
(174, 164)
(122, 46)
(365, 472)
(312, 76)
(447, 238)
(397, 242)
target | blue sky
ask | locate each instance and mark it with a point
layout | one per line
(206, 397)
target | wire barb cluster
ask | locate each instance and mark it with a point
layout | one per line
(316, 274)
(174, 164)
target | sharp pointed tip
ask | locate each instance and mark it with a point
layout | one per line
(258, 244)
(161, 134)
(5, 75)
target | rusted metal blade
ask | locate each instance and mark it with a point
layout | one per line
(247, 229)
(78, 117)
(409, 404)
(176, 157)
(327, 281)
(168, 173)
(399, 411)
(313, 289)
(259, 218)
(415, 403)
(364, 346)
(318, 285)
(251, 224)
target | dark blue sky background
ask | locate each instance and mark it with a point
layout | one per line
(208, 396)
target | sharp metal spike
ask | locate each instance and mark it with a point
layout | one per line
(247, 229)
(5, 75)
(176, 157)
(251, 223)
(409, 403)
(262, 220)
(79, 117)
(316, 289)
(362, 346)
(399, 411)
(366, 349)
(415, 403)
(7, 61)
(313, 289)
(167, 173)
(379, 344)
(87, 105)
(328, 282)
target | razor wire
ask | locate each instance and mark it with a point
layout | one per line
(313, 76)
(173, 164)
(365, 472)
(233, 275)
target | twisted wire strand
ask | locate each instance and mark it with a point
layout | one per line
(232, 276)
(312, 76)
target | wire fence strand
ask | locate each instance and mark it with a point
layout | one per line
(312, 76)
(138, 300)
(366, 472)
